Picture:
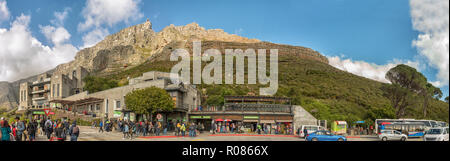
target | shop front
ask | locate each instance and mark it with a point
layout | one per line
(202, 121)
(250, 124)
(223, 122)
(38, 114)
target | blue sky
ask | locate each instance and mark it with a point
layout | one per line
(373, 33)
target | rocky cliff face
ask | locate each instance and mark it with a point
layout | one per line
(136, 44)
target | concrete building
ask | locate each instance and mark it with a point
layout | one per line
(35, 96)
(111, 103)
(249, 111)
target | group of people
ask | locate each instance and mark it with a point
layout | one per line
(141, 128)
(22, 130)
(131, 129)
(193, 129)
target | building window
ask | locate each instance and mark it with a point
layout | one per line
(53, 90)
(117, 104)
(97, 107)
(106, 106)
(57, 90)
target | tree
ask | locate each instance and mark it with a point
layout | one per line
(446, 99)
(407, 77)
(96, 84)
(149, 101)
(400, 98)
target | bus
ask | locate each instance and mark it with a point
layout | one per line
(410, 127)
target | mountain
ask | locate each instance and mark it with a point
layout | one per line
(129, 47)
(134, 45)
(304, 75)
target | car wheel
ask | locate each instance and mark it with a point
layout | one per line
(340, 139)
(384, 139)
(403, 139)
(314, 139)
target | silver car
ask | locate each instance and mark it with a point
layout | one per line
(389, 135)
(436, 134)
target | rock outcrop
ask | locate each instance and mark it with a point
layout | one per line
(134, 45)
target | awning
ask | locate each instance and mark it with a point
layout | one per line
(267, 121)
(284, 120)
(226, 120)
(250, 120)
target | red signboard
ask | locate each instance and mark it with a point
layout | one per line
(47, 111)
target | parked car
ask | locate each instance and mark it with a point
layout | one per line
(323, 135)
(309, 128)
(436, 134)
(389, 135)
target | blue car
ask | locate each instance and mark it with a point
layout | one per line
(324, 136)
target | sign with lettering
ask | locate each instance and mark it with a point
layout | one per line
(251, 117)
(38, 112)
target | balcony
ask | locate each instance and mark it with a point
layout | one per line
(40, 91)
(46, 80)
(39, 98)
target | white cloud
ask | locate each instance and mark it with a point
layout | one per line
(57, 35)
(368, 70)
(60, 17)
(4, 12)
(22, 55)
(101, 14)
(431, 19)
(109, 12)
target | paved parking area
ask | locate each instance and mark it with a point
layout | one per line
(92, 134)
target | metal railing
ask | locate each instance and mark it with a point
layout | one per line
(244, 108)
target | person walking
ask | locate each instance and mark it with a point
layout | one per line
(305, 131)
(59, 131)
(164, 128)
(5, 130)
(158, 128)
(25, 131)
(125, 130)
(191, 130)
(74, 131)
(132, 130)
(178, 128)
(183, 129)
(144, 128)
(48, 128)
(20, 128)
(42, 124)
(31, 128)
(100, 127)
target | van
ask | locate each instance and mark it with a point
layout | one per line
(436, 134)
(309, 128)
